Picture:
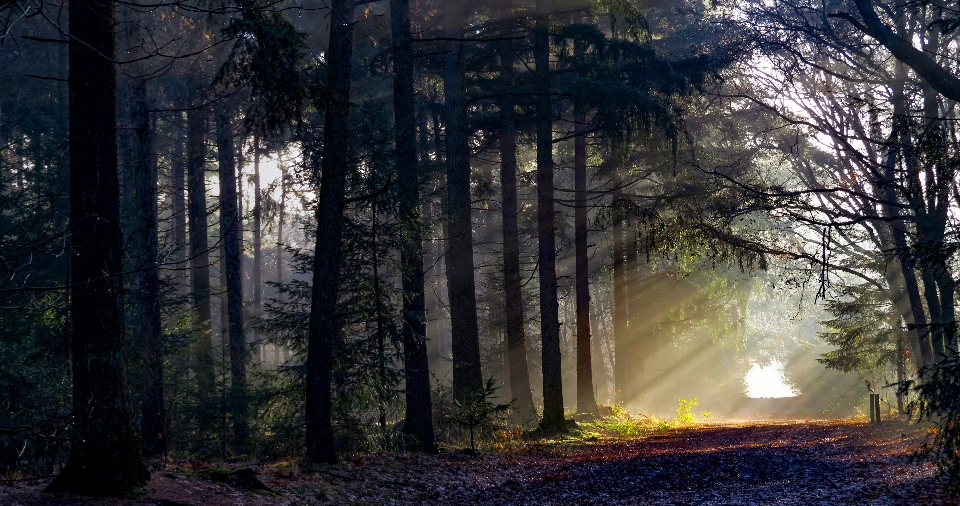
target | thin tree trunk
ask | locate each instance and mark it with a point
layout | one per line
(105, 458)
(280, 217)
(229, 232)
(620, 371)
(432, 256)
(599, 365)
(178, 207)
(382, 384)
(324, 327)
(586, 400)
(467, 375)
(636, 347)
(932, 297)
(419, 413)
(444, 344)
(200, 256)
(546, 233)
(257, 244)
(901, 360)
(523, 409)
(946, 285)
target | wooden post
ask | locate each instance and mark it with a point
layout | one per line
(874, 408)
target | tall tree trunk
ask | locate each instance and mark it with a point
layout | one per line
(442, 293)
(932, 221)
(434, 301)
(620, 371)
(281, 212)
(433, 253)
(200, 257)
(257, 244)
(145, 295)
(229, 233)
(461, 285)
(523, 409)
(419, 413)
(636, 345)
(911, 287)
(105, 459)
(382, 386)
(546, 233)
(898, 297)
(586, 400)
(324, 327)
(599, 364)
(178, 206)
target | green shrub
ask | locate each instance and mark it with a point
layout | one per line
(685, 411)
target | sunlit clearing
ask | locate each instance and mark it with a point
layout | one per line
(767, 381)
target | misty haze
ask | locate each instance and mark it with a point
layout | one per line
(494, 252)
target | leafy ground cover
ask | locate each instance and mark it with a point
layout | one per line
(786, 462)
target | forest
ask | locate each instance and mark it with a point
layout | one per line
(491, 252)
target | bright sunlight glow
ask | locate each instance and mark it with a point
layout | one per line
(767, 381)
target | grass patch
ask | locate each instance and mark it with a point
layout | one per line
(214, 474)
(617, 424)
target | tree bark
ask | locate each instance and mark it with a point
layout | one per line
(277, 361)
(586, 399)
(145, 296)
(553, 419)
(105, 459)
(620, 371)
(200, 256)
(229, 233)
(178, 208)
(324, 326)
(418, 423)
(638, 320)
(257, 245)
(444, 366)
(461, 285)
(932, 215)
(599, 364)
(912, 308)
(519, 374)
(433, 253)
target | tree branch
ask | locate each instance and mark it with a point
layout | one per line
(939, 78)
(368, 196)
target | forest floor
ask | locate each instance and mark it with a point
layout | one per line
(801, 462)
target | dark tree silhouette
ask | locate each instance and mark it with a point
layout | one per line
(105, 457)
(324, 327)
(546, 232)
(461, 285)
(419, 414)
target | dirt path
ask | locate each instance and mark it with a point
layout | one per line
(801, 463)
